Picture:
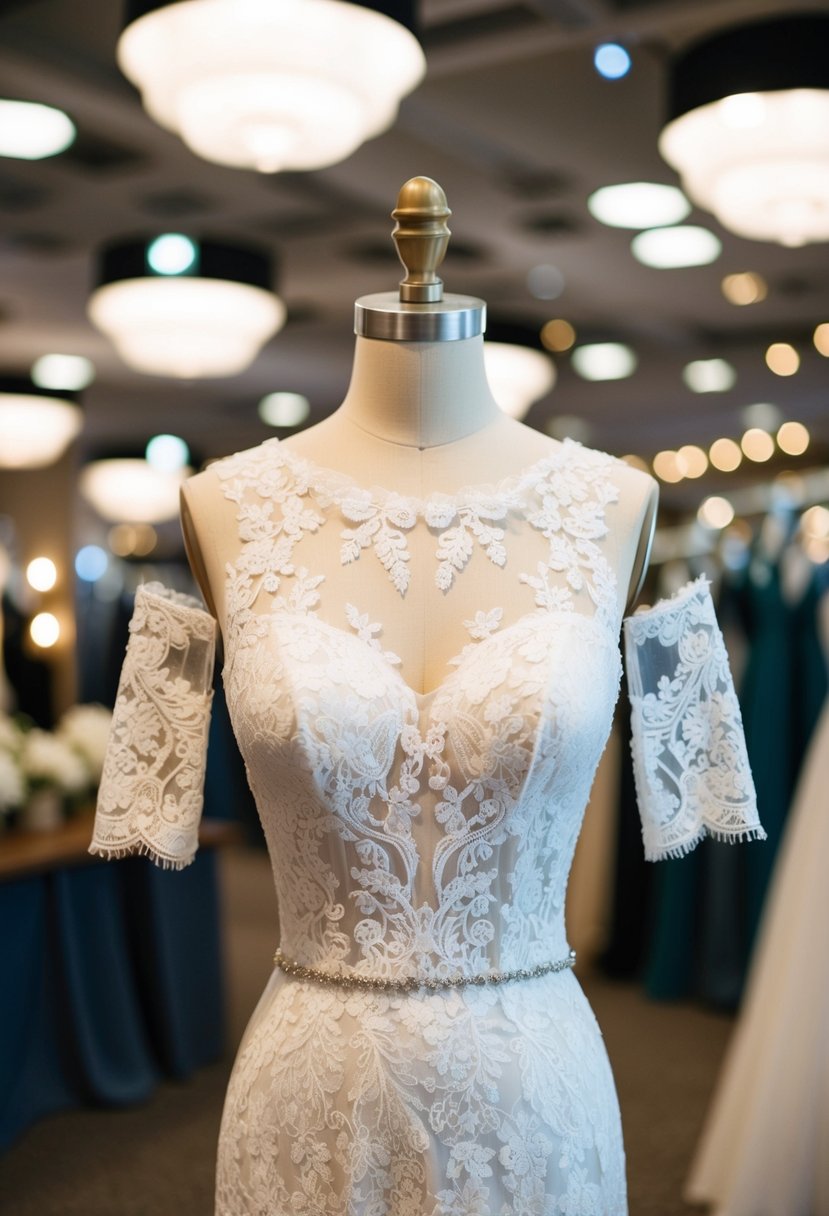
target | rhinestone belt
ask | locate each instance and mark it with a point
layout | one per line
(413, 982)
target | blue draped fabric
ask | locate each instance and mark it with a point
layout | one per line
(112, 980)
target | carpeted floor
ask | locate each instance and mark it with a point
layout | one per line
(158, 1159)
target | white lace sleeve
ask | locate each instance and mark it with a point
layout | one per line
(151, 791)
(689, 753)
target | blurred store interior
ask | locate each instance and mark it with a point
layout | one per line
(625, 315)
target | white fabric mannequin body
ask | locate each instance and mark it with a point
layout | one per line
(420, 418)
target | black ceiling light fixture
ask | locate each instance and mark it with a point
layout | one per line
(298, 84)
(748, 127)
(181, 306)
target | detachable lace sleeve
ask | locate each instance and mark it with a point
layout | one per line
(689, 753)
(151, 792)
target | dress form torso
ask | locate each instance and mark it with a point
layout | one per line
(419, 419)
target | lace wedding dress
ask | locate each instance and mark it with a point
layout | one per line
(423, 1047)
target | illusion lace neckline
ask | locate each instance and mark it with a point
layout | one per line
(341, 488)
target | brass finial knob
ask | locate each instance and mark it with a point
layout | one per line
(422, 236)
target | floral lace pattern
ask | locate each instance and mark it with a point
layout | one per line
(420, 834)
(150, 795)
(423, 834)
(689, 754)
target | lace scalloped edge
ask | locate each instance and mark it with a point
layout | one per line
(179, 598)
(678, 598)
(744, 836)
(139, 849)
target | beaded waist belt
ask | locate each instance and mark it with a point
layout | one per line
(413, 982)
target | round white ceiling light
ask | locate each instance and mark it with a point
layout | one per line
(638, 205)
(32, 131)
(518, 375)
(297, 84)
(749, 128)
(604, 361)
(677, 247)
(36, 425)
(128, 490)
(192, 311)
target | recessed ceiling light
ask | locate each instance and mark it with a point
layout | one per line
(545, 282)
(691, 460)
(41, 573)
(284, 409)
(821, 338)
(171, 253)
(757, 444)
(744, 288)
(763, 414)
(672, 248)
(604, 361)
(31, 131)
(725, 455)
(715, 512)
(518, 375)
(782, 359)
(638, 205)
(666, 466)
(557, 335)
(66, 373)
(709, 375)
(91, 563)
(611, 60)
(793, 438)
(167, 453)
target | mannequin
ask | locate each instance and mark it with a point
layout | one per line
(419, 418)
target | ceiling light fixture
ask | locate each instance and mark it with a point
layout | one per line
(725, 455)
(284, 409)
(167, 453)
(36, 424)
(129, 490)
(764, 414)
(793, 438)
(638, 205)
(744, 287)
(709, 376)
(677, 247)
(748, 130)
(757, 444)
(174, 306)
(518, 376)
(821, 339)
(32, 131)
(558, 335)
(604, 361)
(70, 372)
(611, 60)
(715, 512)
(782, 359)
(299, 84)
(545, 282)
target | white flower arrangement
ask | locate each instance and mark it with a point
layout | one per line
(85, 728)
(47, 760)
(12, 785)
(12, 782)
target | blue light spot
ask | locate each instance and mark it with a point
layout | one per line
(611, 60)
(172, 253)
(91, 563)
